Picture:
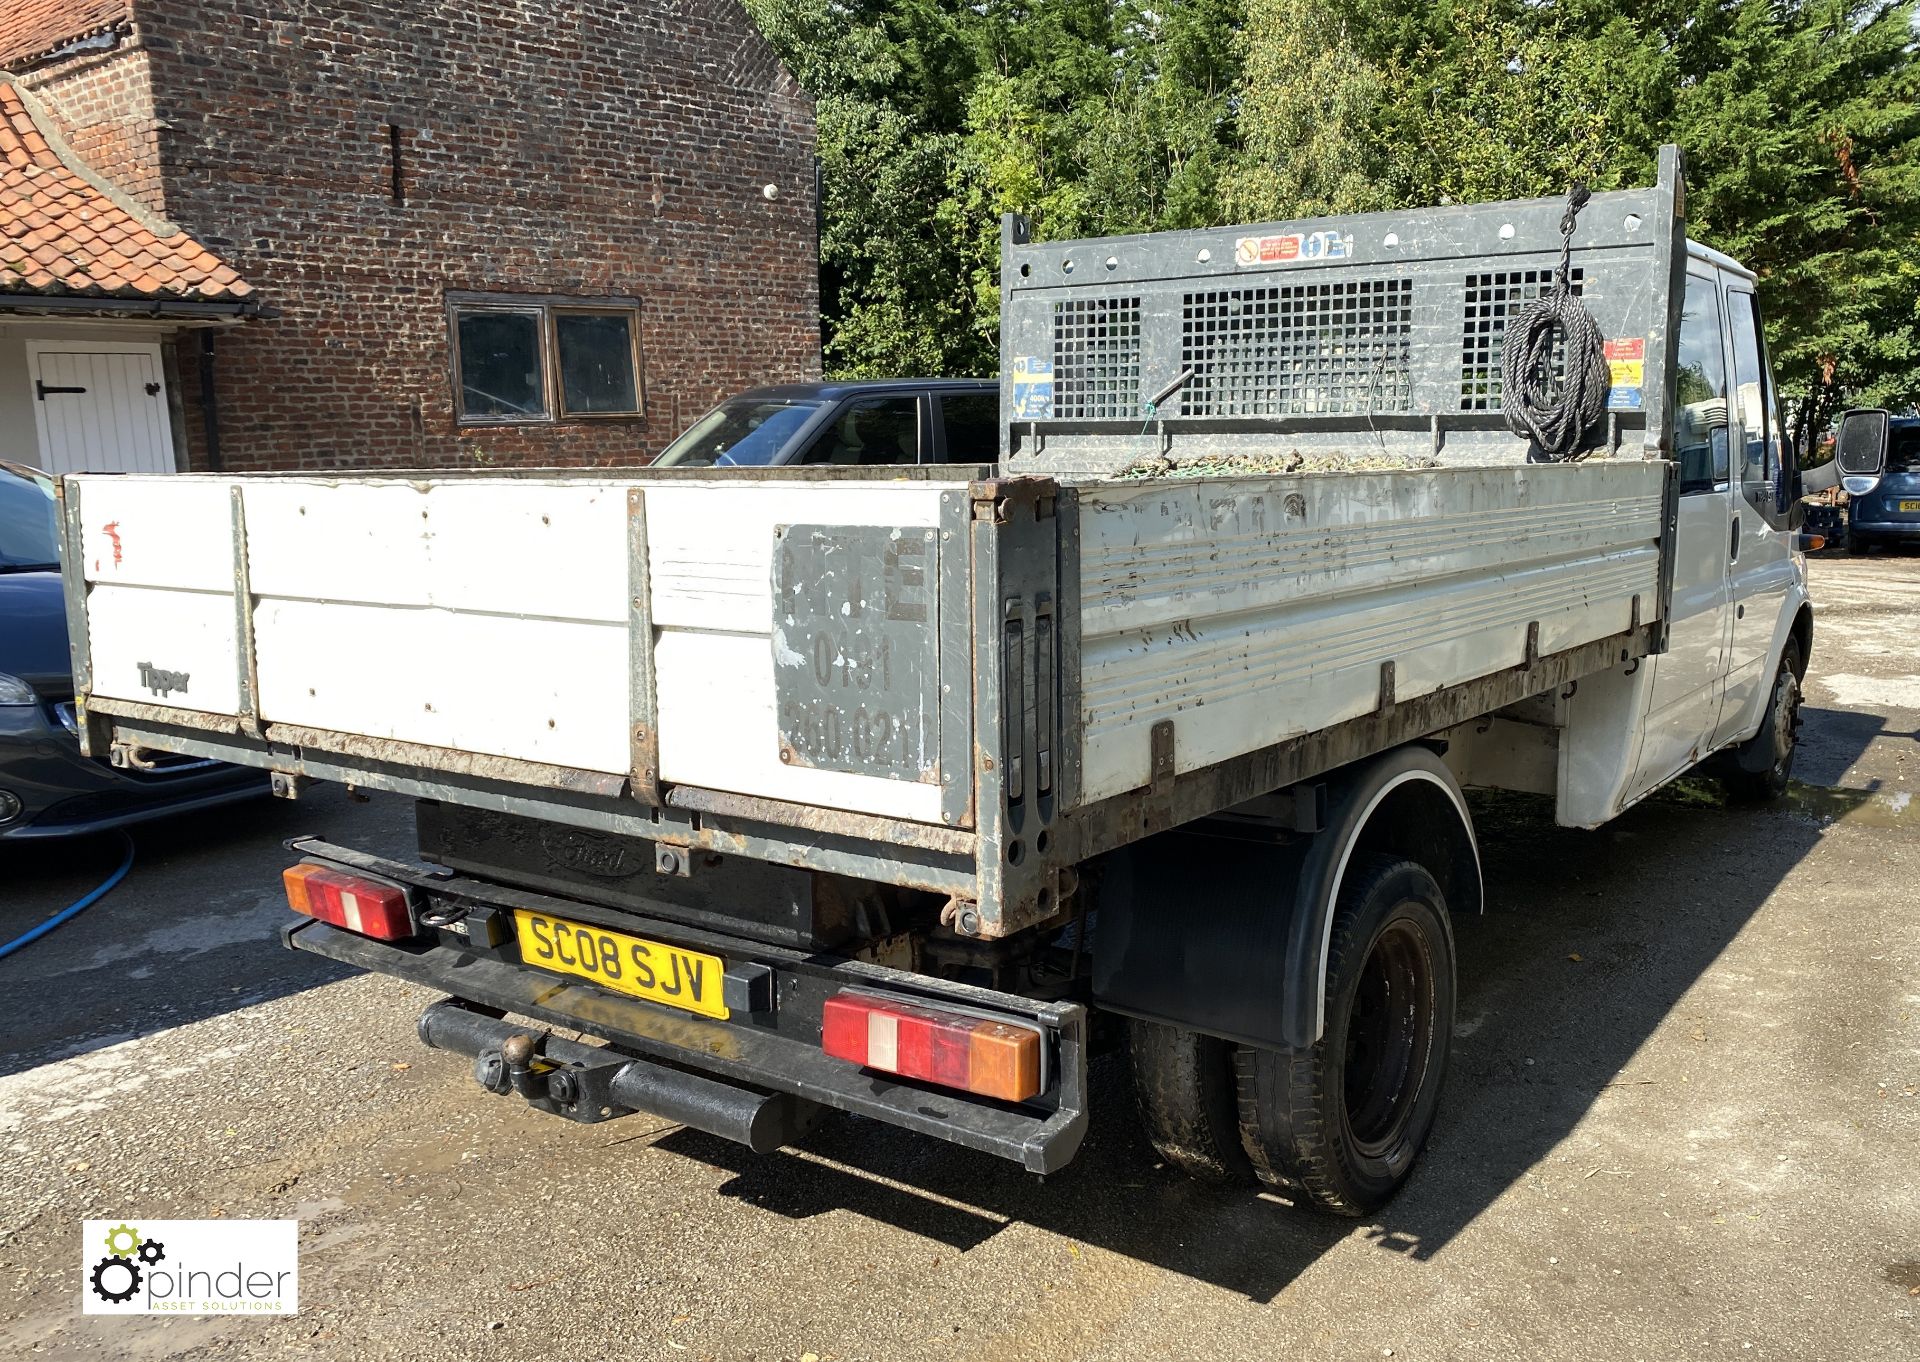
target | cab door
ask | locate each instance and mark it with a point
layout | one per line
(1684, 697)
(1761, 573)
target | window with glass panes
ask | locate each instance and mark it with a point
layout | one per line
(519, 360)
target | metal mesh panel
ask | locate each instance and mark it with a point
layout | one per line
(1096, 358)
(1337, 347)
(1491, 299)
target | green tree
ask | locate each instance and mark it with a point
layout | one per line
(1801, 119)
(1091, 118)
(888, 79)
(1312, 110)
(1801, 122)
(1802, 125)
(1087, 116)
(1495, 104)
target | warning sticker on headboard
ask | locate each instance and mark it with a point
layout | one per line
(1291, 247)
(1626, 371)
(1032, 388)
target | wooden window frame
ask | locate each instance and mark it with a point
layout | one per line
(545, 307)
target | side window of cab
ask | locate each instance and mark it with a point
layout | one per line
(1700, 435)
(1756, 408)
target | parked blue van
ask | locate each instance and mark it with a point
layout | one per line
(1890, 513)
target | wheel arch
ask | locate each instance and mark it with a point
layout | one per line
(1402, 803)
(1250, 965)
(1801, 632)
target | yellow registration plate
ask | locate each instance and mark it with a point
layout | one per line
(626, 964)
(1910, 505)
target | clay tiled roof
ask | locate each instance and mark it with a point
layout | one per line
(31, 28)
(61, 233)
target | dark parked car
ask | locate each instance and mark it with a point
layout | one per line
(1890, 513)
(47, 788)
(891, 421)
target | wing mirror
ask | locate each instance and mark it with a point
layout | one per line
(1860, 449)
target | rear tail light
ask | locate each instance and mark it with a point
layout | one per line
(975, 1054)
(360, 905)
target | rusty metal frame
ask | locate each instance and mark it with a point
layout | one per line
(247, 689)
(1018, 675)
(94, 732)
(1663, 354)
(860, 846)
(642, 706)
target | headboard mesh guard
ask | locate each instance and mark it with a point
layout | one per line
(1297, 348)
(1377, 335)
(1096, 358)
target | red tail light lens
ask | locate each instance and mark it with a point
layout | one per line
(991, 1058)
(360, 905)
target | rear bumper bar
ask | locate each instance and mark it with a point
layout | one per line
(754, 1078)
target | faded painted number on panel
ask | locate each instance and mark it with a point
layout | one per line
(856, 649)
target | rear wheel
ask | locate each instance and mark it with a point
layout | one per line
(1344, 1119)
(1760, 768)
(1184, 1083)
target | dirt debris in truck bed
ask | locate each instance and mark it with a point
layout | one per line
(1293, 461)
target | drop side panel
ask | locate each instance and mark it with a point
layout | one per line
(1252, 610)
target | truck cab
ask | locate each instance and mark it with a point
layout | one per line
(1739, 606)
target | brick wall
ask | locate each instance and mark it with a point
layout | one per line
(548, 146)
(102, 104)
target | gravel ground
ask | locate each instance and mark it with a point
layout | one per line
(1681, 1123)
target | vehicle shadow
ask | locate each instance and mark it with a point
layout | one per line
(1832, 740)
(192, 931)
(1590, 940)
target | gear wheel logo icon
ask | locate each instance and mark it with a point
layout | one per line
(121, 1273)
(117, 1265)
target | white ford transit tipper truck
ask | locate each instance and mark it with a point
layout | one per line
(894, 790)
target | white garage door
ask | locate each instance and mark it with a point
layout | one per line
(100, 408)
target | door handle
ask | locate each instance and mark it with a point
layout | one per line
(41, 390)
(1733, 544)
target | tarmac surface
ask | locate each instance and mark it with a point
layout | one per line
(1682, 1121)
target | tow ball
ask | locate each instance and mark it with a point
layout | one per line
(591, 1083)
(578, 1091)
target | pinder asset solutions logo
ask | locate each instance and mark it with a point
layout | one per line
(190, 1267)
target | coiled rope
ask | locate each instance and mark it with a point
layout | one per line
(1556, 417)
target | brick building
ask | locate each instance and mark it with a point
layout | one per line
(394, 232)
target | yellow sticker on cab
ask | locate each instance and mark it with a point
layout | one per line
(633, 965)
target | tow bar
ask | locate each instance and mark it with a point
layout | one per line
(590, 1083)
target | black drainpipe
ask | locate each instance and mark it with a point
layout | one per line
(209, 403)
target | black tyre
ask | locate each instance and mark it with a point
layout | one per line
(1184, 1083)
(1343, 1120)
(1857, 544)
(1761, 767)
